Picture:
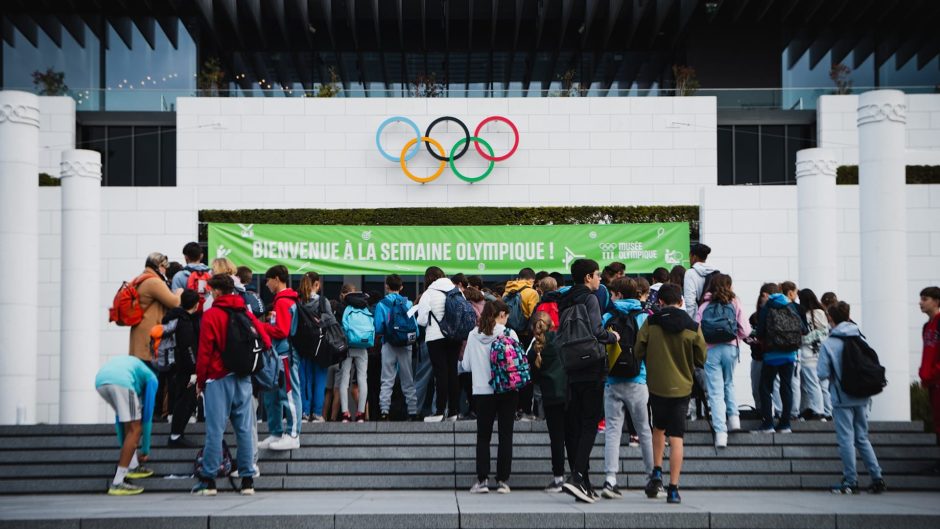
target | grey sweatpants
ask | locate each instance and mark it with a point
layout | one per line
(634, 397)
(397, 361)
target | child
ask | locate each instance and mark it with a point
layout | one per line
(552, 381)
(490, 405)
(361, 336)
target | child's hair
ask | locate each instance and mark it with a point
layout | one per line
(642, 287)
(548, 284)
(188, 299)
(625, 287)
(541, 324)
(223, 265)
(244, 274)
(347, 288)
(720, 289)
(839, 312)
(473, 294)
(488, 317)
(306, 286)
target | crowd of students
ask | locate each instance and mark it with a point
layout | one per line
(602, 353)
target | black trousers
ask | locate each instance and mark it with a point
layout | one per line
(585, 409)
(374, 381)
(184, 401)
(555, 420)
(466, 388)
(489, 408)
(525, 398)
(443, 355)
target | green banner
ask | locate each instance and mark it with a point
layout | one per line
(409, 250)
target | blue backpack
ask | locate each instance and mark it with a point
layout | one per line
(719, 323)
(400, 329)
(517, 320)
(268, 376)
(359, 327)
(459, 316)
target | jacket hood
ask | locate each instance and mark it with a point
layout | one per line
(575, 295)
(553, 296)
(485, 339)
(239, 287)
(673, 320)
(517, 284)
(846, 328)
(443, 284)
(196, 267)
(778, 299)
(229, 301)
(703, 269)
(357, 300)
(288, 293)
(626, 305)
(176, 313)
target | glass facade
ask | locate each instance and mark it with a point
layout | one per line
(138, 155)
(761, 154)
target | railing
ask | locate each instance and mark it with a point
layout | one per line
(164, 100)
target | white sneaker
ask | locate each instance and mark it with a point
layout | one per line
(734, 423)
(266, 444)
(480, 487)
(434, 418)
(721, 439)
(452, 418)
(502, 487)
(286, 443)
(234, 473)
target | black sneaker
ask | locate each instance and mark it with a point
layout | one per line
(672, 494)
(878, 486)
(655, 484)
(205, 487)
(611, 492)
(180, 442)
(845, 488)
(574, 486)
(591, 492)
(555, 485)
(414, 418)
(248, 486)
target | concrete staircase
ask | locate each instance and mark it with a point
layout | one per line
(396, 455)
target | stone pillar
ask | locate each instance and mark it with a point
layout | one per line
(816, 219)
(80, 337)
(882, 115)
(19, 253)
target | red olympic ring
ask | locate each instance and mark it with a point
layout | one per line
(515, 144)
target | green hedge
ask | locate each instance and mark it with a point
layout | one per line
(916, 174)
(46, 180)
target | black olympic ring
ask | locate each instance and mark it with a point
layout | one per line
(466, 133)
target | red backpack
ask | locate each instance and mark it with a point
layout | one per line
(198, 280)
(125, 309)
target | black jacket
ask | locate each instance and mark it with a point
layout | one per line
(580, 294)
(187, 338)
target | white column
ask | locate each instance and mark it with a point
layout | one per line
(19, 253)
(882, 115)
(80, 337)
(816, 219)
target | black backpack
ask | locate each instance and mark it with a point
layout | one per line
(332, 347)
(306, 337)
(243, 345)
(862, 374)
(784, 329)
(621, 361)
(579, 347)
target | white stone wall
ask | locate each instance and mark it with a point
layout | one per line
(56, 131)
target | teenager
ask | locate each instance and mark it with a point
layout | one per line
(694, 281)
(780, 328)
(283, 402)
(442, 351)
(549, 374)
(929, 371)
(356, 304)
(183, 377)
(814, 399)
(192, 254)
(312, 375)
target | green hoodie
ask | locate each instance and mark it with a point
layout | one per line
(673, 346)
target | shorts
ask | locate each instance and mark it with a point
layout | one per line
(669, 414)
(125, 402)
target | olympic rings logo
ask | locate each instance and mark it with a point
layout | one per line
(411, 148)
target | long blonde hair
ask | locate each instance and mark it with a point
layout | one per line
(223, 266)
(541, 324)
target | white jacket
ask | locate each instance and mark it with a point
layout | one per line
(432, 302)
(476, 357)
(692, 286)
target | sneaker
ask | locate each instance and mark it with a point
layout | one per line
(286, 442)
(451, 418)
(555, 485)
(721, 439)
(845, 488)
(317, 418)
(734, 423)
(480, 487)
(611, 492)
(345, 417)
(672, 494)
(764, 429)
(205, 487)
(574, 486)
(784, 429)
(527, 417)
(140, 472)
(257, 473)
(383, 416)
(602, 426)
(634, 441)
(878, 486)
(502, 487)
(434, 418)
(248, 487)
(305, 417)
(360, 417)
(591, 492)
(266, 443)
(124, 489)
(180, 442)
(655, 484)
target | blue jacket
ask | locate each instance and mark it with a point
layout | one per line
(383, 312)
(625, 306)
(830, 365)
(132, 373)
(182, 277)
(777, 358)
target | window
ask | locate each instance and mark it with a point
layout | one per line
(139, 155)
(761, 154)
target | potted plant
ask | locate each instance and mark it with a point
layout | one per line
(50, 82)
(211, 79)
(686, 82)
(839, 73)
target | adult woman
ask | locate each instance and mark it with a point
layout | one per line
(155, 300)
(814, 395)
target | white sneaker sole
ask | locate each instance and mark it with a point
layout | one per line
(574, 491)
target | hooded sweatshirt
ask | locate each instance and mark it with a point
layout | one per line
(213, 332)
(744, 325)
(777, 358)
(476, 357)
(673, 346)
(830, 365)
(625, 306)
(580, 294)
(528, 295)
(187, 338)
(929, 371)
(693, 284)
(282, 326)
(432, 303)
(182, 277)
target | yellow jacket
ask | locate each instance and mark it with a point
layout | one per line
(530, 298)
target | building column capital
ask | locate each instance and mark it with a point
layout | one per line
(876, 106)
(817, 161)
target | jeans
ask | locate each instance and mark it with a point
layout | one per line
(489, 408)
(851, 433)
(396, 360)
(719, 377)
(361, 357)
(443, 355)
(228, 398)
(814, 393)
(768, 374)
(423, 375)
(312, 386)
(585, 410)
(618, 398)
(555, 421)
(284, 402)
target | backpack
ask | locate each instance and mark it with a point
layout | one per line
(225, 467)
(400, 329)
(579, 347)
(708, 283)
(784, 329)
(163, 346)
(253, 302)
(862, 374)
(359, 327)
(621, 362)
(517, 320)
(719, 323)
(243, 345)
(459, 317)
(333, 347)
(267, 377)
(306, 337)
(198, 280)
(509, 365)
(125, 309)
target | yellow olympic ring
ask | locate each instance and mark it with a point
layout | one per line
(404, 163)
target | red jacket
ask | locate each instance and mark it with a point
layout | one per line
(930, 361)
(280, 330)
(212, 334)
